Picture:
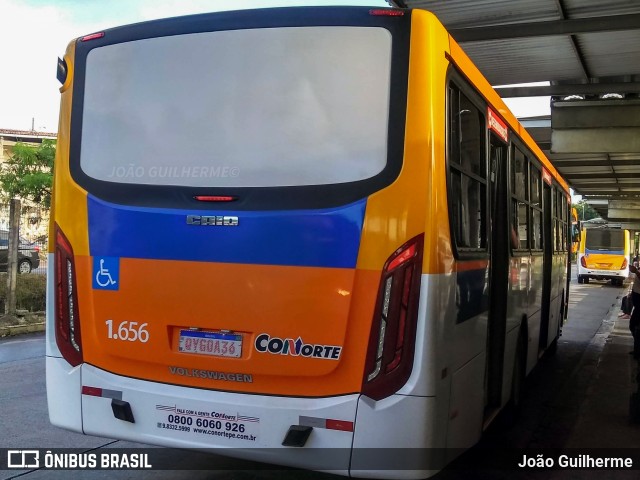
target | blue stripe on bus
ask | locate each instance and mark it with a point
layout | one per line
(604, 252)
(315, 238)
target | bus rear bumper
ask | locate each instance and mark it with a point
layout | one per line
(63, 401)
(391, 438)
(602, 275)
(251, 427)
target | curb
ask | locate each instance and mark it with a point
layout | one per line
(20, 329)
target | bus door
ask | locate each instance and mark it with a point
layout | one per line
(498, 277)
(547, 248)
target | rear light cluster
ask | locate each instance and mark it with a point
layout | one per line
(624, 264)
(583, 262)
(67, 321)
(392, 338)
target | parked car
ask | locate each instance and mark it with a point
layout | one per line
(28, 253)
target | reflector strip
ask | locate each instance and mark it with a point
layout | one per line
(340, 425)
(92, 391)
(328, 423)
(101, 392)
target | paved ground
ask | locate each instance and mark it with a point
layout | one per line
(575, 400)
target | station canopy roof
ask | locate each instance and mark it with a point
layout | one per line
(586, 49)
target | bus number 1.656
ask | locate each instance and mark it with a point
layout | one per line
(128, 331)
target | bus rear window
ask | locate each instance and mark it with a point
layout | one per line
(241, 108)
(605, 240)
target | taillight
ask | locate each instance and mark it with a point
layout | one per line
(67, 322)
(386, 12)
(93, 36)
(583, 262)
(624, 264)
(215, 198)
(392, 338)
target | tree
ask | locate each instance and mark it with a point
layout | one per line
(28, 172)
(585, 211)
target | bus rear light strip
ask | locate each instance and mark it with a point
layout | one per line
(67, 321)
(389, 357)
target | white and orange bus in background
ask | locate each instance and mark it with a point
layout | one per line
(286, 230)
(603, 253)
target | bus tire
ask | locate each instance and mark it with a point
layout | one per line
(585, 280)
(580, 279)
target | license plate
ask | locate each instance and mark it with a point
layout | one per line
(217, 344)
(602, 272)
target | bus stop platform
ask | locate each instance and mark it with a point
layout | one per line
(609, 415)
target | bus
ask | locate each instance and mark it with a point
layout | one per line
(290, 231)
(575, 233)
(603, 254)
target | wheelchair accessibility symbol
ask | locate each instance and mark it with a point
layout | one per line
(106, 273)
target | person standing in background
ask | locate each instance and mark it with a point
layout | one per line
(634, 321)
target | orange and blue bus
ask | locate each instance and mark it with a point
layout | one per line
(286, 230)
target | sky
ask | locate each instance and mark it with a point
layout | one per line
(34, 33)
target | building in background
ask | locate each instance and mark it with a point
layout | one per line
(34, 219)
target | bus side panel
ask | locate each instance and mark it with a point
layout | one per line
(65, 409)
(69, 203)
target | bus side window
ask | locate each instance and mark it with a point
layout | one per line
(468, 173)
(519, 197)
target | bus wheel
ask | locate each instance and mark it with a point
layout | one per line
(580, 279)
(585, 280)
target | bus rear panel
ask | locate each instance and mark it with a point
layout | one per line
(219, 258)
(603, 255)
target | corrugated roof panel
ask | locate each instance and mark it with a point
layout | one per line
(606, 55)
(465, 13)
(598, 47)
(630, 157)
(524, 59)
(600, 8)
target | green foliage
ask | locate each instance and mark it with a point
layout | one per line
(30, 292)
(585, 211)
(28, 173)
